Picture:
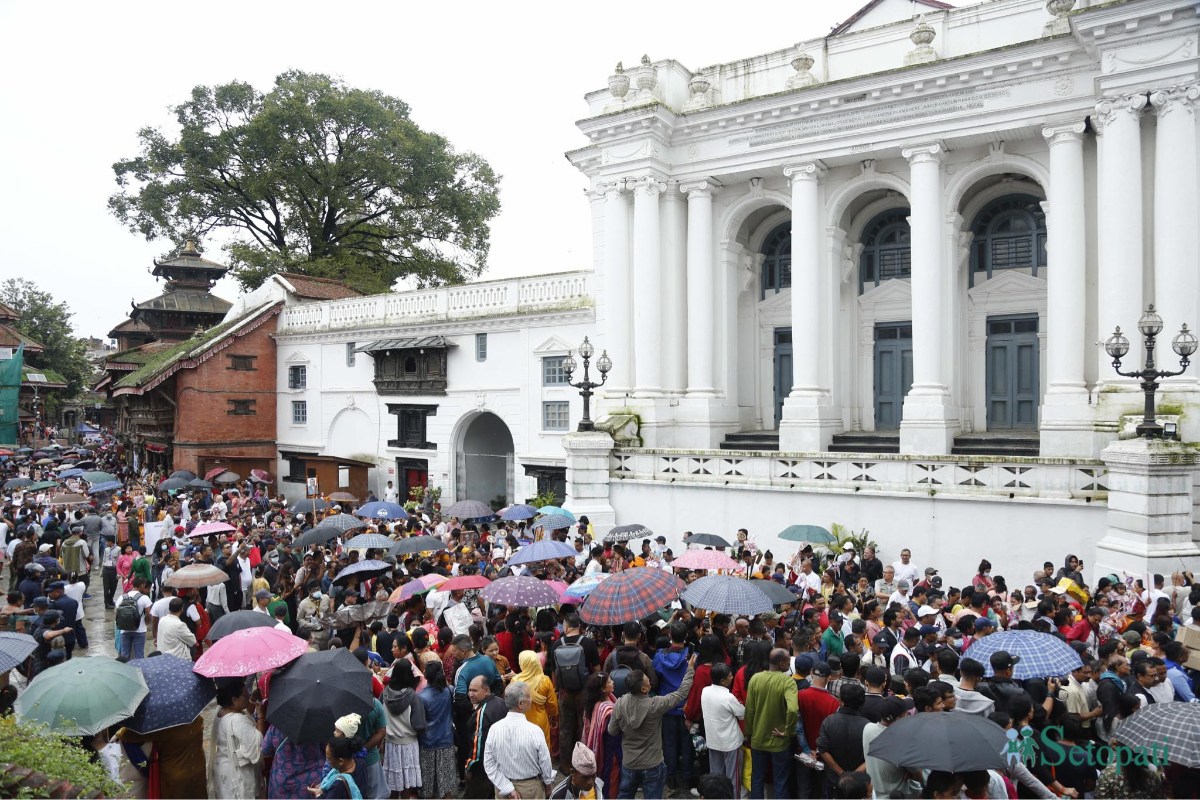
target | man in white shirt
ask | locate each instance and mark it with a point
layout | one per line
(174, 637)
(901, 594)
(721, 711)
(905, 569)
(807, 579)
(133, 643)
(161, 608)
(185, 510)
(581, 553)
(516, 758)
(390, 494)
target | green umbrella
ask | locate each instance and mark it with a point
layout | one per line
(42, 485)
(813, 534)
(98, 477)
(83, 696)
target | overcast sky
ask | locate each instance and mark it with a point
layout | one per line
(505, 80)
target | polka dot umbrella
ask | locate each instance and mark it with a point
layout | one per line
(520, 592)
(177, 694)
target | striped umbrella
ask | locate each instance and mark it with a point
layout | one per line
(726, 594)
(520, 592)
(554, 522)
(630, 595)
(416, 587)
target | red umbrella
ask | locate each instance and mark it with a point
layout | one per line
(630, 595)
(261, 476)
(249, 651)
(464, 582)
(212, 473)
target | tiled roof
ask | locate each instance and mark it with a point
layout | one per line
(8, 312)
(312, 288)
(11, 337)
(189, 300)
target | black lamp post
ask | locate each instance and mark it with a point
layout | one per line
(1117, 346)
(585, 387)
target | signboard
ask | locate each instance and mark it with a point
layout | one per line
(311, 489)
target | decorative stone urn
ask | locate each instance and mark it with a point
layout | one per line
(1059, 9)
(922, 36)
(698, 86)
(802, 63)
(646, 79)
(618, 83)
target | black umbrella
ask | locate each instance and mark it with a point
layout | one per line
(305, 506)
(172, 485)
(186, 474)
(18, 483)
(363, 570)
(199, 483)
(946, 741)
(318, 535)
(775, 592)
(239, 621)
(625, 533)
(318, 688)
(177, 694)
(417, 544)
(706, 539)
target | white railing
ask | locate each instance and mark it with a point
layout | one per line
(1058, 479)
(493, 298)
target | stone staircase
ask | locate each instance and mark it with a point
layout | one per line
(1024, 444)
(866, 442)
(751, 440)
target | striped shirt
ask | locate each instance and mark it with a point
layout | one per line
(516, 751)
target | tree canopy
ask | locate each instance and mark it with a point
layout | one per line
(50, 324)
(313, 177)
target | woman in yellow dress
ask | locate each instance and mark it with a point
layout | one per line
(545, 699)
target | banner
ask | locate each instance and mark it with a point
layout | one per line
(10, 391)
(151, 533)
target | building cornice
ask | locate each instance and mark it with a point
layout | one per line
(458, 327)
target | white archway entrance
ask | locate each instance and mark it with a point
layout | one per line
(484, 453)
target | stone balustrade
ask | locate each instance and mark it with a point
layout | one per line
(492, 298)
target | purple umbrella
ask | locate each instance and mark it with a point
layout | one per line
(520, 592)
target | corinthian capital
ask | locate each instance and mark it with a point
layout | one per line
(1176, 98)
(1111, 108)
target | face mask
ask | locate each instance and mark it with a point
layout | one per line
(315, 595)
(987, 574)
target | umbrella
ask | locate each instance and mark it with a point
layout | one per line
(226, 477)
(464, 582)
(310, 695)
(364, 569)
(261, 476)
(704, 559)
(209, 528)
(1158, 724)
(544, 550)
(199, 483)
(1041, 655)
(582, 587)
(212, 473)
(518, 512)
(14, 649)
(625, 533)
(950, 742)
(177, 694)
(726, 594)
(67, 500)
(520, 592)
(813, 534)
(246, 652)
(18, 483)
(381, 509)
(554, 522)
(414, 588)
(560, 589)
(354, 613)
(186, 474)
(318, 535)
(173, 484)
(238, 621)
(42, 462)
(98, 476)
(774, 591)
(42, 485)
(85, 464)
(82, 696)
(629, 596)
(305, 506)
(707, 540)
(73, 472)
(468, 509)
(343, 497)
(193, 576)
(343, 522)
(369, 541)
(416, 544)
(557, 510)
(106, 486)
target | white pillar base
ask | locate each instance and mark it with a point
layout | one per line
(808, 423)
(588, 475)
(1068, 424)
(929, 424)
(1148, 526)
(701, 422)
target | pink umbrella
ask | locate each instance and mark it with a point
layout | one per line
(212, 473)
(464, 582)
(414, 588)
(209, 528)
(261, 476)
(560, 589)
(249, 651)
(704, 559)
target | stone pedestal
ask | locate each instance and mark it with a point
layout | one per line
(588, 457)
(808, 423)
(1150, 498)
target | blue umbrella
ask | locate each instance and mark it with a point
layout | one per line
(557, 510)
(177, 694)
(106, 486)
(519, 512)
(584, 586)
(542, 551)
(381, 509)
(73, 472)
(1041, 655)
(554, 522)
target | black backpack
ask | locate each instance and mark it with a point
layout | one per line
(129, 616)
(569, 662)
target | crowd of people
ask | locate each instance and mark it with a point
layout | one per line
(480, 700)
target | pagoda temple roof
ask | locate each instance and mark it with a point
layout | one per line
(188, 258)
(195, 301)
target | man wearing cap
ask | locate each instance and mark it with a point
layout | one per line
(927, 648)
(262, 599)
(815, 704)
(581, 780)
(1001, 688)
(770, 716)
(46, 629)
(927, 581)
(31, 581)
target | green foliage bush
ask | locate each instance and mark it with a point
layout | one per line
(56, 757)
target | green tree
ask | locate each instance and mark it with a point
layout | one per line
(314, 177)
(50, 324)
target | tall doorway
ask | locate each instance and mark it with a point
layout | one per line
(893, 373)
(1012, 372)
(783, 369)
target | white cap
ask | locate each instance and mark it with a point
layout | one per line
(923, 610)
(848, 546)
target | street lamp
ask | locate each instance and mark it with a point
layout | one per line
(585, 387)
(1117, 346)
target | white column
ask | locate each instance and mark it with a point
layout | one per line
(674, 292)
(647, 295)
(1066, 417)
(1119, 289)
(929, 421)
(619, 295)
(701, 288)
(1176, 216)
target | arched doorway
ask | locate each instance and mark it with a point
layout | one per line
(484, 469)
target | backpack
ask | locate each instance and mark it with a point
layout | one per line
(620, 677)
(129, 616)
(569, 664)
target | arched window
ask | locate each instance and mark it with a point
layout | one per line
(1009, 233)
(777, 260)
(887, 249)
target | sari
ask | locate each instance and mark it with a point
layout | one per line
(597, 739)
